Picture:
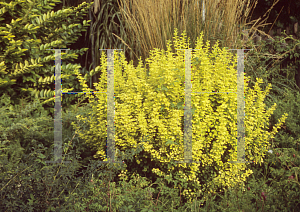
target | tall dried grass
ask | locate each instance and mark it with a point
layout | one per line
(150, 23)
(140, 26)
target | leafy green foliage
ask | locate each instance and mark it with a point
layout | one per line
(26, 142)
(24, 125)
(275, 61)
(27, 30)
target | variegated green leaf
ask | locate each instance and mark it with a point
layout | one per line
(42, 93)
(46, 94)
(26, 26)
(37, 94)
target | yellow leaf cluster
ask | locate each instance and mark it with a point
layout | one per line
(143, 106)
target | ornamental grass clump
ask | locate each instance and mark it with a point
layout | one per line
(149, 102)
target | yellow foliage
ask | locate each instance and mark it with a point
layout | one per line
(138, 111)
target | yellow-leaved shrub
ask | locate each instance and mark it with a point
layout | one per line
(151, 103)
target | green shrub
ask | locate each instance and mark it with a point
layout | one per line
(27, 183)
(28, 29)
(25, 178)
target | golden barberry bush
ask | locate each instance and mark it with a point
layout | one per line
(150, 103)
